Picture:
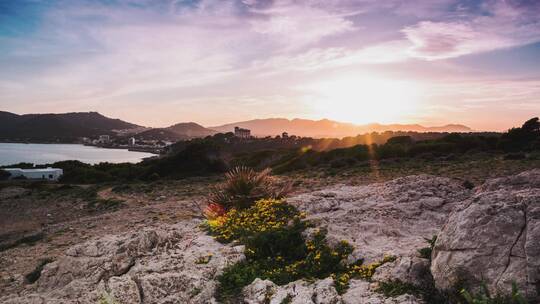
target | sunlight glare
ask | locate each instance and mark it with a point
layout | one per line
(361, 99)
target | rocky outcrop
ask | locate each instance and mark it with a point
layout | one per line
(319, 292)
(388, 218)
(174, 264)
(494, 237)
(492, 232)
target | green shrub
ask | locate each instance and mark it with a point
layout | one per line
(396, 288)
(34, 275)
(107, 299)
(426, 251)
(468, 185)
(484, 297)
(276, 249)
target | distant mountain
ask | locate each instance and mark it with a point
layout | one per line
(58, 127)
(68, 127)
(327, 128)
(180, 131)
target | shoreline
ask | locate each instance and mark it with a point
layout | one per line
(38, 153)
(130, 149)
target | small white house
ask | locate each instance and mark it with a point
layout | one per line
(52, 174)
(104, 139)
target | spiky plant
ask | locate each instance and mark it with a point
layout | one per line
(243, 186)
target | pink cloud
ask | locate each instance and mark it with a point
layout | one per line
(503, 25)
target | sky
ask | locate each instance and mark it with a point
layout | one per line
(159, 62)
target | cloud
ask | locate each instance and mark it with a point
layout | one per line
(126, 53)
(317, 59)
(500, 24)
(441, 40)
(293, 26)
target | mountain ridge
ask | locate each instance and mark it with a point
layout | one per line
(72, 125)
(59, 127)
(328, 128)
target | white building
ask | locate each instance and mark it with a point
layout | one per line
(52, 174)
(132, 141)
(104, 139)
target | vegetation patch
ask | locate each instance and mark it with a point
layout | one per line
(396, 288)
(204, 259)
(107, 299)
(29, 239)
(484, 297)
(277, 245)
(34, 275)
(458, 294)
(426, 251)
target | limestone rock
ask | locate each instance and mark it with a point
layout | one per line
(319, 292)
(492, 231)
(386, 218)
(158, 265)
(494, 237)
(362, 292)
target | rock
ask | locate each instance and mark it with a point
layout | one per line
(362, 292)
(386, 218)
(413, 270)
(318, 292)
(259, 291)
(493, 233)
(157, 265)
(494, 237)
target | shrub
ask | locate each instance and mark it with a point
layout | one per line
(276, 249)
(396, 288)
(468, 184)
(107, 299)
(4, 175)
(515, 156)
(400, 140)
(265, 215)
(247, 209)
(426, 251)
(243, 186)
(34, 275)
(358, 271)
(484, 297)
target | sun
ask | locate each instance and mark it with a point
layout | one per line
(363, 99)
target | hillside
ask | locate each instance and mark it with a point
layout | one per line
(191, 130)
(163, 134)
(327, 128)
(58, 127)
(179, 131)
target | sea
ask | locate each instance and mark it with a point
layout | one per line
(13, 153)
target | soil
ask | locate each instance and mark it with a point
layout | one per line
(39, 224)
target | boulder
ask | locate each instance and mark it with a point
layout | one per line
(493, 238)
